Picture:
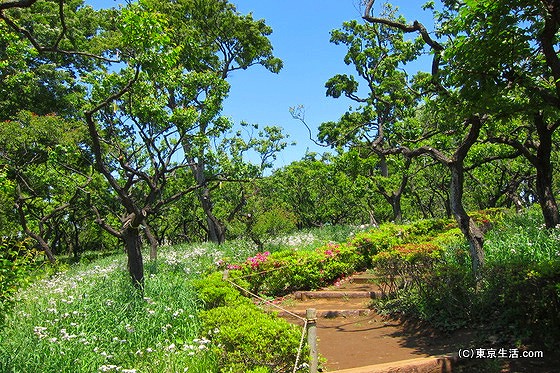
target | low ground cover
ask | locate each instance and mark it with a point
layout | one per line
(90, 318)
(517, 301)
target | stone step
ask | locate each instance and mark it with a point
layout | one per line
(432, 364)
(363, 278)
(332, 294)
(326, 313)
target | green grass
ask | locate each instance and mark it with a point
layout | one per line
(310, 239)
(89, 318)
(522, 239)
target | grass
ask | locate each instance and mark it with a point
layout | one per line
(522, 239)
(309, 239)
(90, 318)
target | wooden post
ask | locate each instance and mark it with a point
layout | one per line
(311, 316)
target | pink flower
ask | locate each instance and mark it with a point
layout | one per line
(256, 260)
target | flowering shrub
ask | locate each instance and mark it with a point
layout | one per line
(256, 260)
(289, 270)
(389, 236)
(405, 265)
(285, 271)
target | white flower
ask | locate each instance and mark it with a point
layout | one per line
(108, 368)
(40, 331)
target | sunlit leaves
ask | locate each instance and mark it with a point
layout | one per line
(146, 39)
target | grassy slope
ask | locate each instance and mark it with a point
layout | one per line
(90, 319)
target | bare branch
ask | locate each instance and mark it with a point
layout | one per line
(99, 220)
(46, 49)
(299, 114)
(9, 4)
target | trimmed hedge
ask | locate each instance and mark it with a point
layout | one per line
(245, 338)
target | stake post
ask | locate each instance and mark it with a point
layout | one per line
(311, 316)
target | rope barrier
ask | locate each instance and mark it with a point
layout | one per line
(266, 301)
(300, 345)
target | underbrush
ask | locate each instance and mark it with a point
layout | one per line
(17, 261)
(518, 299)
(281, 272)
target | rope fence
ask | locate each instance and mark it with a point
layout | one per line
(309, 323)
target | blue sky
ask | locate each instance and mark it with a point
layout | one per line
(301, 39)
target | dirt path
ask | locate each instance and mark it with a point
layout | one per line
(350, 335)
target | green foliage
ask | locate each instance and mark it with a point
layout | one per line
(215, 292)
(405, 265)
(288, 270)
(388, 236)
(285, 271)
(319, 192)
(519, 287)
(247, 338)
(17, 260)
(243, 336)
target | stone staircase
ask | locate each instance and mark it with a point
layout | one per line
(351, 297)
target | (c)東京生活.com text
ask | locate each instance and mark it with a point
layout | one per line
(498, 353)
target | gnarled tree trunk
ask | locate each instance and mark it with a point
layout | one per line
(468, 227)
(133, 246)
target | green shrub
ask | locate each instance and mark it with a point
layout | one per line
(245, 338)
(519, 291)
(286, 271)
(388, 236)
(405, 265)
(527, 298)
(215, 292)
(17, 259)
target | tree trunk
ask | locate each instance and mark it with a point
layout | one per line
(397, 209)
(216, 229)
(468, 227)
(545, 194)
(41, 243)
(133, 247)
(544, 168)
(152, 239)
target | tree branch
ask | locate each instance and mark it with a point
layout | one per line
(40, 48)
(9, 4)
